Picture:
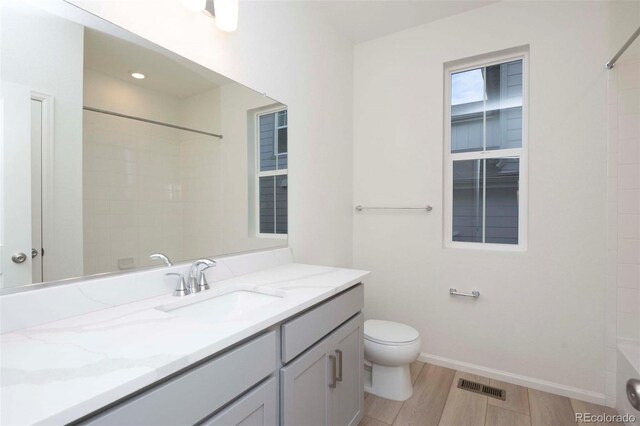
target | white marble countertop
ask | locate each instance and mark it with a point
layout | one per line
(60, 371)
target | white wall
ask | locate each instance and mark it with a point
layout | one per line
(540, 317)
(55, 68)
(283, 49)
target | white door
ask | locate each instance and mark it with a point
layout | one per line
(16, 185)
(36, 191)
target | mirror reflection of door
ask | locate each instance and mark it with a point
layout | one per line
(36, 191)
(23, 228)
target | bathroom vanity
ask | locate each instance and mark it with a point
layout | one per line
(309, 368)
(286, 347)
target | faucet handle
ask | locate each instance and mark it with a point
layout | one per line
(181, 288)
(202, 280)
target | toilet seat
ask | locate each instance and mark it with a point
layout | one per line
(389, 333)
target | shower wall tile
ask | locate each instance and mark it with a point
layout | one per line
(629, 275)
(629, 226)
(628, 326)
(139, 181)
(623, 109)
(629, 151)
(628, 300)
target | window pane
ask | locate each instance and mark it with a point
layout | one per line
(267, 205)
(282, 140)
(504, 128)
(467, 87)
(467, 200)
(467, 109)
(504, 105)
(281, 204)
(282, 118)
(501, 212)
(267, 142)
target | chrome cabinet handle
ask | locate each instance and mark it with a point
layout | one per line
(339, 354)
(332, 385)
(19, 258)
(34, 253)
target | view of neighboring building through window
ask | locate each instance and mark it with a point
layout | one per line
(484, 159)
(272, 173)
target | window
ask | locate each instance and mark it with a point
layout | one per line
(271, 174)
(485, 156)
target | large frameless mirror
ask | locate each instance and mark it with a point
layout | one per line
(115, 149)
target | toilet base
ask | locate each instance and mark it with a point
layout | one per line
(390, 382)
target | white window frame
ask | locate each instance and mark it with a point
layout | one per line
(259, 174)
(521, 153)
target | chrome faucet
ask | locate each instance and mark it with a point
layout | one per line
(197, 280)
(160, 256)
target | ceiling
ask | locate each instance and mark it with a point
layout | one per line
(364, 20)
(170, 75)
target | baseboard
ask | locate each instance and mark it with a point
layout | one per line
(504, 376)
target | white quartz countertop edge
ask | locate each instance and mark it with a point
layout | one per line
(69, 399)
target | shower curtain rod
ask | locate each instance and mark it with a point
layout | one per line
(146, 120)
(613, 60)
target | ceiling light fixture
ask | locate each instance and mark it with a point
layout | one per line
(138, 75)
(225, 12)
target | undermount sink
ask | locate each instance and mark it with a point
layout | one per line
(231, 306)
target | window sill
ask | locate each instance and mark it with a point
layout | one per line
(273, 236)
(485, 246)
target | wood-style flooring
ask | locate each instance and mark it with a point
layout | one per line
(437, 401)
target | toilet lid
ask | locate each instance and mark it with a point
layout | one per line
(389, 332)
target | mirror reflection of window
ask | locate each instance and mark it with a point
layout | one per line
(272, 174)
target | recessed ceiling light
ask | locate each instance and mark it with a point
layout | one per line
(138, 75)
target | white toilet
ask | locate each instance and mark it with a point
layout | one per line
(390, 347)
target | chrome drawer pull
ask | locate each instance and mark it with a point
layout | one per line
(339, 354)
(332, 385)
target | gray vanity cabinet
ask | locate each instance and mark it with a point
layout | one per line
(194, 395)
(324, 385)
(305, 388)
(256, 408)
(347, 398)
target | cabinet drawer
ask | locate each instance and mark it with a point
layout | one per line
(256, 408)
(192, 396)
(311, 326)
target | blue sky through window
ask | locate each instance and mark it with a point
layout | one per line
(467, 87)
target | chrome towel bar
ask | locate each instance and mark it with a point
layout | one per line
(426, 208)
(475, 293)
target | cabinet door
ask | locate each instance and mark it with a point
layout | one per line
(304, 385)
(256, 408)
(347, 398)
